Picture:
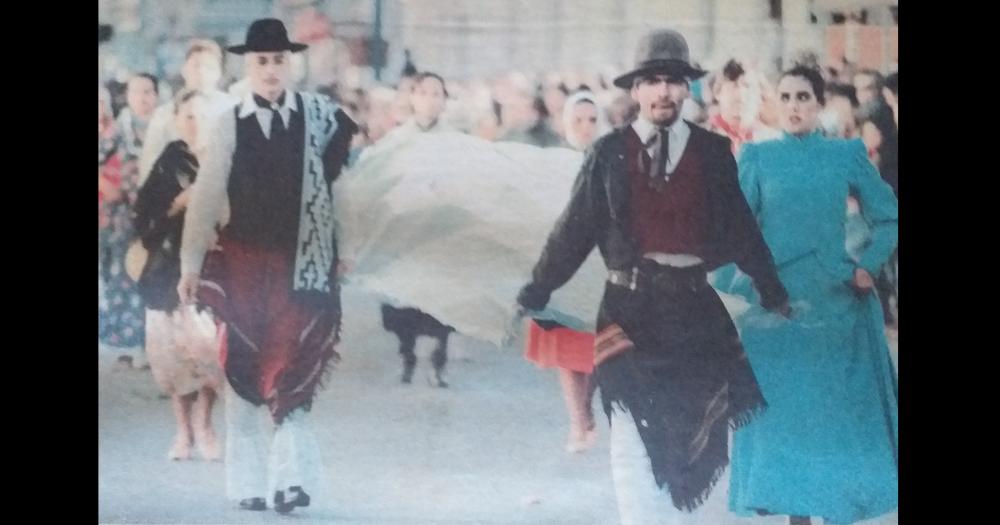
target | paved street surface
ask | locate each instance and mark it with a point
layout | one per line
(487, 450)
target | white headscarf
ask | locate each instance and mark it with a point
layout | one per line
(571, 101)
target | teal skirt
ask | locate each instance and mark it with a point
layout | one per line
(827, 445)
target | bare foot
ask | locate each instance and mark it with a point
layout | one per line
(208, 445)
(581, 440)
(209, 448)
(181, 450)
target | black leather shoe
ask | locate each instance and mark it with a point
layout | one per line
(253, 504)
(296, 498)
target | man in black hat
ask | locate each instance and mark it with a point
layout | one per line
(270, 162)
(661, 200)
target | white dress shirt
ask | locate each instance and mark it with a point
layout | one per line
(249, 107)
(677, 136)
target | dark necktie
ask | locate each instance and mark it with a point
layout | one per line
(658, 168)
(277, 125)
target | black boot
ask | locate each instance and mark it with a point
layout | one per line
(253, 504)
(296, 497)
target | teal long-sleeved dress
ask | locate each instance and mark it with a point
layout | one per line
(827, 445)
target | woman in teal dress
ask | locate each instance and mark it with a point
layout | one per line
(827, 445)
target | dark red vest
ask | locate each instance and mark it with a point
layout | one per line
(676, 220)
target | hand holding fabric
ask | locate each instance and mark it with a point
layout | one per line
(532, 297)
(187, 288)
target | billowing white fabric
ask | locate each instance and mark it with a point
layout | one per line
(453, 225)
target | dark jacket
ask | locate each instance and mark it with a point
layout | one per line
(598, 213)
(161, 234)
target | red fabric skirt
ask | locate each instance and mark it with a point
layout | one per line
(560, 348)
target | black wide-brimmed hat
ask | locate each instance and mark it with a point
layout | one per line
(267, 35)
(661, 51)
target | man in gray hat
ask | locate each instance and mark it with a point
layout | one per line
(269, 163)
(661, 200)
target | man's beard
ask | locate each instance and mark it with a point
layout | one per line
(667, 121)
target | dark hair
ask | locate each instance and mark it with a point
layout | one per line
(888, 151)
(881, 120)
(652, 75)
(184, 96)
(892, 82)
(152, 78)
(561, 87)
(843, 90)
(732, 71)
(876, 76)
(812, 76)
(805, 57)
(497, 111)
(631, 110)
(427, 74)
(539, 104)
(409, 69)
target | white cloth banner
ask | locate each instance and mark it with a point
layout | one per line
(453, 225)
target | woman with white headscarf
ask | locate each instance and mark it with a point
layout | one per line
(551, 344)
(583, 120)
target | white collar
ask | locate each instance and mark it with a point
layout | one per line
(645, 129)
(249, 107)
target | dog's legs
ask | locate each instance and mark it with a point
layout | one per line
(406, 344)
(439, 358)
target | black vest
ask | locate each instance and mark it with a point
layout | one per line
(265, 183)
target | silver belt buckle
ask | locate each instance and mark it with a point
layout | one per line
(623, 278)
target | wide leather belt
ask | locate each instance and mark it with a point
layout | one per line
(650, 275)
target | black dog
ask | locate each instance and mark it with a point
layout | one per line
(407, 324)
